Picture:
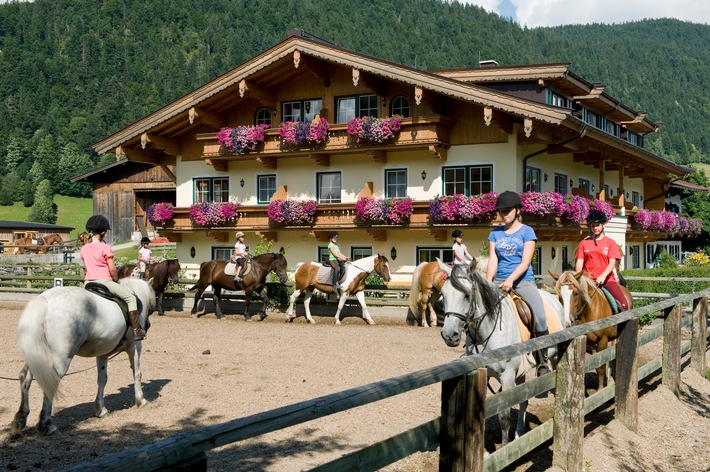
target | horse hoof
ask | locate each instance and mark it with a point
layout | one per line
(161, 314)
(141, 402)
(262, 317)
(337, 322)
(289, 319)
(103, 412)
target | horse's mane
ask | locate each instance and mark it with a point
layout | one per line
(490, 294)
(581, 285)
(142, 289)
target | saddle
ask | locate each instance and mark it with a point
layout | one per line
(612, 301)
(231, 268)
(526, 321)
(325, 274)
(97, 288)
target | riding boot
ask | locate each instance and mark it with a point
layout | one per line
(543, 363)
(134, 318)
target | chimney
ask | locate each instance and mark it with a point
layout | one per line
(488, 63)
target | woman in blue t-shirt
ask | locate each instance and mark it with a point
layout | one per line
(511, 250)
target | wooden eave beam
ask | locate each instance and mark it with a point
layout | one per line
(588, 157)
(322, 160)
(439, 152)
(268, 162)
(378, 234)
(148, 157)
(210, 118)
(169, 173)
(219, 164)
(595, 92)
(378, 156)
(168, 146)
(261, 94)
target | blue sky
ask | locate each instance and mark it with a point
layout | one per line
(534, 13)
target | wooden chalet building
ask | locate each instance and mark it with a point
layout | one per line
(465, 131)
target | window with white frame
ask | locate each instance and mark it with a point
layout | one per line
(634, 254)
(429, 254)
(468, 180)
(532, 179)
(585, 185)
(329, 187)
(400, 106)
(222, 253)
(590, 117)
(262, 117)
(323, 254)
(210, 189)
(395, 183)
(607, 191)
(301, 110)
(565, 259)
(359, 252)
(557, 100)
(634, 138)
(561, 182)
(536, 262)
(265, 187)
(358, 106)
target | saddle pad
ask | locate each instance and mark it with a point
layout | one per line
(611, 300)
(325, 275)
(230, 269)
(553, 322)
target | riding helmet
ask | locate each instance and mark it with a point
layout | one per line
(333, 234)
(240, 234)
(457, 233)
(508, 199)
(145, 241)
(98, 223)
(596, 216)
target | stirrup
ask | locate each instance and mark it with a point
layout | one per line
(238, 279)
(139, 334)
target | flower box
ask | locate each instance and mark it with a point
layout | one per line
(292, 212)
(298, 133)
(459, 208)
(384, 211)
(369, 129)
(242, 139)
(160, 213)
(214, 214)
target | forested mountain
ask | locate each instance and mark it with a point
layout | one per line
(74, 71)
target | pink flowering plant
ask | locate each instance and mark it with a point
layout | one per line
(293, 212)
(214, 214)
(374, 130)
(460, 208)
(160, 212)
(603, 206)
(576, 208)
(242, 139)
(542, 203)
(384, 211)
(297, 133)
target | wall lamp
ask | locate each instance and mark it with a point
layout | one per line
(545, 177)
(393, 253)
(627, 194)
(423, 175)
(571, 184)
(553, 253)
(241, 182)
(192, 252)
(580, 183)
(593, 188)
(274, 111)
(384, 102)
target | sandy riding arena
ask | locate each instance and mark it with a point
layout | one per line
(198, 372)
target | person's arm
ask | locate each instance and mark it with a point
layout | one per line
(112, 269)
(492, 268)
(602, 277)
(579, 265)
(528, 251)
(468, 255)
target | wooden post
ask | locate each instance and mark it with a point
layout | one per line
(671, 348)
(698, 342)
(568, 422)
(626, 378)
(463, 417)
(29, 273)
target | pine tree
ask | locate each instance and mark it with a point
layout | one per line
(44, 210)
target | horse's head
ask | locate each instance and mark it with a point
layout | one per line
(573, 289)
(278, 266)
(173, 270)
(457, 293)
(382, 267)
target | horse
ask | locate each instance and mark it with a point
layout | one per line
(353, 284)
(583, 302)
(63, 322)
(83, 238)
(49, 241)
(425, 290)
(212, 273)
(487, 315)
(160, 273)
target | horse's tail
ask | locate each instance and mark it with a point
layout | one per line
(32, 340)
(199, 276)
(415, 290)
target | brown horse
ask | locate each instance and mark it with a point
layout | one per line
(583, 302)
(307, 279)
(212, 273)
(83, 238)
(39, 245)
(160, 274)
(50, 241)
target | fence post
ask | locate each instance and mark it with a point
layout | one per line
(463, 419)
(671, 348)
(568, 422)
(29, 273)
(698, 342)
(626, 376)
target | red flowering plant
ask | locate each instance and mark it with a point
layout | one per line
(242, 139)
(293, 212)
(160, 213)
(384, 211)
(463, 209)
(298, 133)
(214, 214)
(374, 130)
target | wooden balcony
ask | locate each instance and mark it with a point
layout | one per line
(428, 133)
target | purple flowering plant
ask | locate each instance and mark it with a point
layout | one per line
(603, 206)
(385, 211)
(293, 212)
(460, 208)
(542, 203)
(214, 214)
(242, 139)
(297, 133)
(374, 130)
(576, 208)
(160, 212)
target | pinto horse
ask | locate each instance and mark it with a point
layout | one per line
(354, 283)
(161, 274)
(583, 301)
(212, 273)
(64, 322)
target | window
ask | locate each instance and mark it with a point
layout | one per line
(356, 106)
(584, 184)
(565, 259)
(395, 183)
(262, 117)
(532, 179)
(635, 139)
(222, 253)
(429, 254)
(211, 189)
(558, 100)
(400, 106)
(607, 191)
(301, 110)
(265, 188)
(468, 180)
(358, 252)
(635, 198)
(612, 128)
(323, 254)
(635, 251)
(536, 263)
(590, 117)
(329, 187)
(561, 183)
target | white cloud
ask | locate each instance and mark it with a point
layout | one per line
(534, 13)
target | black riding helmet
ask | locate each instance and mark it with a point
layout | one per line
(508, 199)
(333, 234)
(457, 233)
(596, 216)
(98, 223)
(145, 240)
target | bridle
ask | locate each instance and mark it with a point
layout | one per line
(581, 305)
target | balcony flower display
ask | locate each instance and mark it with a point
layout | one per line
(668, 222)
(576, 208)
(603, 206)
(460, 208)
(293, 212)
(542, 203)
(242, 139)
(384, 211)
(297, 133)
(214, 214)
(374, 130)
(160, 213)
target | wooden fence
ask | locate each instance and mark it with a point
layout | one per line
(464, 406)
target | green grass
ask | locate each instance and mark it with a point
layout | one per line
(72, 211)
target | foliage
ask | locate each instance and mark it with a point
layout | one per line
(214, 214)
(293, 212)
(72, 212)
(278, 296)
(384, 211)
(460, 208)
(242, 139)
(297, 133)
(696, 259)
(668, 286)
(666, 260)
(44, 209)
(374, 130)
(160, 212)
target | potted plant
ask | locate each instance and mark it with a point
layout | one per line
(242, 139)
(214, 214)
(293, 212)
(374, 130)
(297, 133)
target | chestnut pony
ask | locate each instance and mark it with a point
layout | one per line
(583, 301)
(161, 273)
(39, 245)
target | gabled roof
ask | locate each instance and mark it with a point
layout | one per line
(35, 226)
(689, 186)
(108, 168)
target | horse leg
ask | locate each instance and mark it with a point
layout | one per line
(522, 412)
(264, 296)
(134, 356)
(159, 297)
(247, 303)
(20, 420)
(365, 314)
(215, 298)
(507, 381)
(433, 298)
(341, 303)
(601, 370)
(307, 305)
(289, 313)
(423, 307)
(101, 379)
(198, 295)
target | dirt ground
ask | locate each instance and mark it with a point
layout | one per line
(198, 372)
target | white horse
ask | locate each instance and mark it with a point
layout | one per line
(307, 279)
(66, 321)
(478, 307)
